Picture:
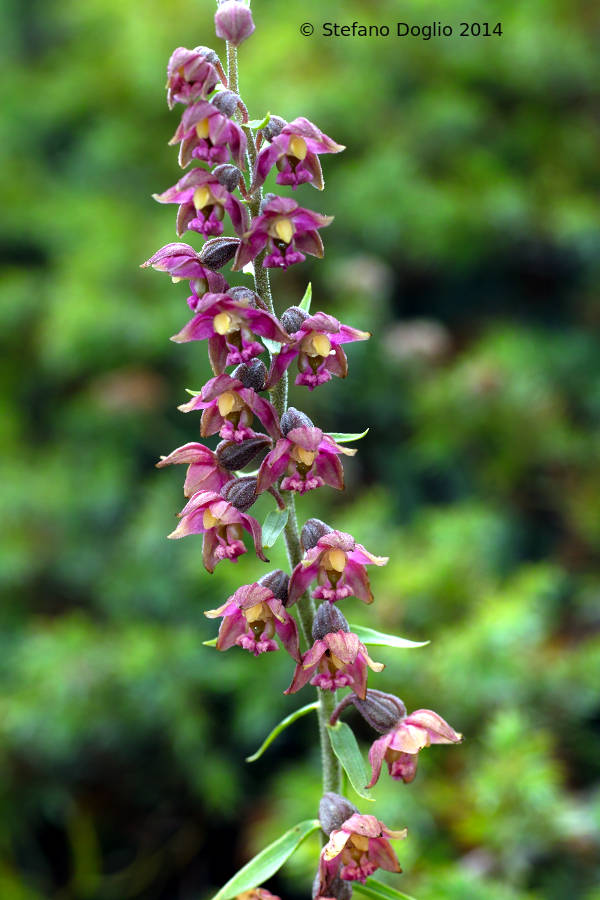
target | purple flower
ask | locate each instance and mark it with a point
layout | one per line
(251, 619)
(400, 746)
(229, 408)
(181, 261)
(338, 563)
(204, 471)
(230, 326)
(295, 153)
(358, 848)
(338, 660)
(191, 74)
(205, 133)
(233, 22)
(203, 202)
(287, 229)
(309, 458)
(221, 524)
(317, 344)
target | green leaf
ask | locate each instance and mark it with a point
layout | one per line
(305, 302)
(268, 861)
(376, 890)
(259, 123)
(211, 643)
(193, 393)
(347, 751)
(272, 346)
(279, 728)
(380, 639)
(341, 437)
(273, 525)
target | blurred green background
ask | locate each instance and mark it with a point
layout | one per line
(466, 238)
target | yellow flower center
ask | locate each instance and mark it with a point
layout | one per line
(335, 560)
(284, 230)
(297, 147)
(306, 457)
(225, 323)
(202, 129)
(208, 520)
(229, 402)
(316, 344)
(360, 842)
(202, 197)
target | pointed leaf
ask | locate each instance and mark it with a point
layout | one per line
(259, 123)
(211, 643)
(193, 393)
(341, 437)
(305, 302)
(272, 346)
(376, 890)
(267, 862)
(347, 751)
(273, 525)
(380, 639)
(279, 728)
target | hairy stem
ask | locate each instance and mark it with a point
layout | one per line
(332, 774)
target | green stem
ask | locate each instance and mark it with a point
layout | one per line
(332, 772)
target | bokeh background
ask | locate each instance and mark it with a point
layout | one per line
(467, 239)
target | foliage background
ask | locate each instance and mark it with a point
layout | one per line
(466, 238)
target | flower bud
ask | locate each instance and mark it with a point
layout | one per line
(333, 811)
(273, 128)
(241, 493)
(382, 711)
(218, 251)
(312, 531)
(233, 22)
(331, 886)
(328, 619)
(244, 295)
(293, 418)
(226, 102)
(227, 175)
(252, 375)
(293, 318)
(233, 456)
(209, 55)
(277, 582)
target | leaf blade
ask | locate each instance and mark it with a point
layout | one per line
(280, 727)
(306, 300)
(381, 639)
(268, 861)
(376, 890)
(346, 749)
(274, 523)
(342, 437)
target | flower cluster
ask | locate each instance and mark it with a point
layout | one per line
(250, 349)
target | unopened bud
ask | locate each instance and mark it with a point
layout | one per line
(209, 55)
(241, 493)
(333, 886)
(218, 251)
(252, 375)
(277, 582)
(274, 127)
(244, 295)
(227, 175)
(382, 711)
(226, 102)
(327, 620)
(293, 418)
(233, 456)
(313, 530)
(334, 810)
(266, 200)
(233, 22)
(293, 318)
